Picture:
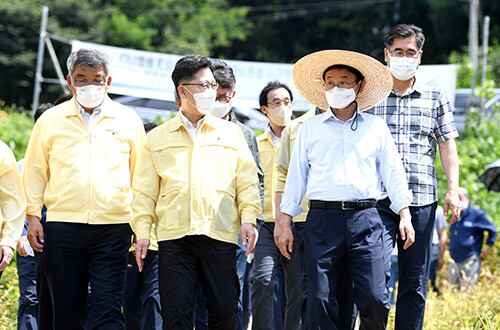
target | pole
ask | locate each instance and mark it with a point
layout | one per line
(39, 61)
(473, 47)
(486, 31)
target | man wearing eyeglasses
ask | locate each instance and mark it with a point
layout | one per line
(80, 163)
(197, 180)
(419, 117)
(276, 102)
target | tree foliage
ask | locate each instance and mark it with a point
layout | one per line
(179, 27)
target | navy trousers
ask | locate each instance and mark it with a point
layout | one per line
(27, 313)
(413, 263)
(141, 299)
(334, 239)
(78, 254)
(193, 259)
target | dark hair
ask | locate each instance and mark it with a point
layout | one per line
(149, 126)
(404, 31)
(63, 98)
(187, 67)
(41, 109)
(359, 75)
(223, 74)
(272, 85)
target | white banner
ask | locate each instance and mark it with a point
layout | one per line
(148, 74)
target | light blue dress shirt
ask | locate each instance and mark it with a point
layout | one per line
(332, 162)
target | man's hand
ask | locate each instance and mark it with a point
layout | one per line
(485, 252)
(406, 228)
(248, 236)
(440, 263)
(35, 233)
(6, 254)
(20, 246)
(283, 236)
(141, 250)
(452, 202)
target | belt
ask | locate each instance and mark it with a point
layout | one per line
(343, 205)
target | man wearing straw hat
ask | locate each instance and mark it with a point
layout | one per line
(338, 161)
(419, 117)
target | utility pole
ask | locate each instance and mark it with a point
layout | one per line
(39, 61)
(486, 32)
(473, 47)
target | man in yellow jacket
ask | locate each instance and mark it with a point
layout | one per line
(12, 206)
(197, 180)
(276, 102)
(80, 163)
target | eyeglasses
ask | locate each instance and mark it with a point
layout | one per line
(224, 98)
(205, 85)
(342, 84)
(408, 53)
(82, 82)
(278, 103)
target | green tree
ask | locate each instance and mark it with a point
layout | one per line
(191, 26)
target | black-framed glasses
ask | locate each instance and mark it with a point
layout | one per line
(205, 85)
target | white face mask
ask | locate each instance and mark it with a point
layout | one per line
(403, 68)
(339, 98)
(220, 109)
(205, 100)
(464, 205)
(90, 96)
(280, 116)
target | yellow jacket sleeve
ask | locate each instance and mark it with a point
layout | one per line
(36, 172)
(247, 185)
(283, 159)
(12, 200)
(146, 187)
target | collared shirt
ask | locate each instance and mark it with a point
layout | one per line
(193, 131)
(12, 200)
(467, 234)
(418, 120)
(267, 149)
(89, 119)
(207, 186)
(83, 176)
(333, 162)
(275, 139)
(284, 153)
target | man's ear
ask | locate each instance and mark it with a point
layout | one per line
(361, 86)
(386, 56)
(264, 109)
(181, 92)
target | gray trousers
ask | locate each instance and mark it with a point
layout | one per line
(265, 264)
(465, 274)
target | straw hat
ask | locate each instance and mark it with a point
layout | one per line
(308, 77)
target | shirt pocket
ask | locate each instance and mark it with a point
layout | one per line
(170, 204)
(425, 119)
(171, 161)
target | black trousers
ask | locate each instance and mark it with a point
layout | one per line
(78, 254)
(189, 260)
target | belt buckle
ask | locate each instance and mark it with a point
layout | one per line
(345, 208)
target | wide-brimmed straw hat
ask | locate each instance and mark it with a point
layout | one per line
(308, 77)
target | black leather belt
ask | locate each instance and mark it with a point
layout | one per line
(343, 205)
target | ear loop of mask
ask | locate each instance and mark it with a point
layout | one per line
(354, 124)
